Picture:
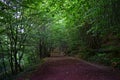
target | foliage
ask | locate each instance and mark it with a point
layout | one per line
(101, 58)
(115, 62)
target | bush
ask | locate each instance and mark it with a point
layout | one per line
(84, 55)
(115, 62)
(100, 58)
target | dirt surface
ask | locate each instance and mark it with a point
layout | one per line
(68, 68)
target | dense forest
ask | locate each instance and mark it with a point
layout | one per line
(31, 29)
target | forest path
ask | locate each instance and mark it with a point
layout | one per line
(69, 68)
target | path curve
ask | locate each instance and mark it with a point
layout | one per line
(68, 68)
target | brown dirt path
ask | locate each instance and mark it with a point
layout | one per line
(68, 68)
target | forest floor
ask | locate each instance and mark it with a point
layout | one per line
(69, 68)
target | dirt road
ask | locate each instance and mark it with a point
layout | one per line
(68, 68)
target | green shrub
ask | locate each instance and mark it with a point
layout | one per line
(100, 58)
(115, 62)
(85, 55)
